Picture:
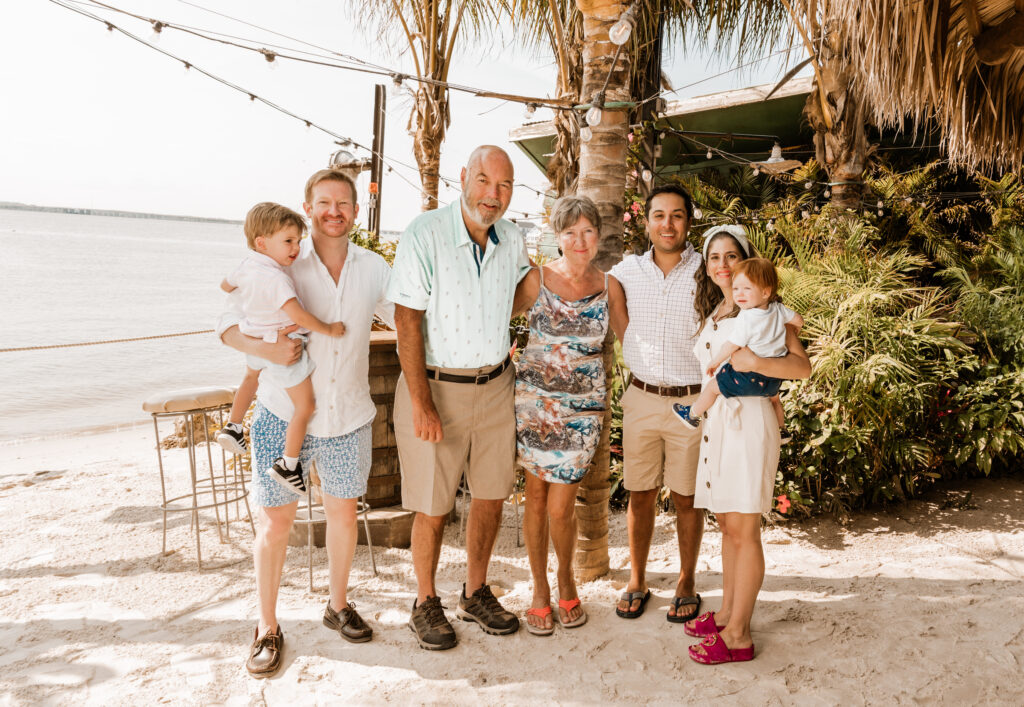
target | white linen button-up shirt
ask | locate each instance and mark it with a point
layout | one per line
(341, 378)
(658, 346)
(263, 288)
(467, 301)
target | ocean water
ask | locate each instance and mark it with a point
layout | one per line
(67, 278)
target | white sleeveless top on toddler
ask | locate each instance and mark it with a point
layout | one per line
(763, 331)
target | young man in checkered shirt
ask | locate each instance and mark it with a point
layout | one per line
(658, 349)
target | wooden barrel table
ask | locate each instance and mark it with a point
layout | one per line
(385, 484)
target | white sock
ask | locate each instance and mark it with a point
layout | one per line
(237, 427)
(290, 463)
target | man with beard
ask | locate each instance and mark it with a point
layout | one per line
(454, 278)
(336, 281)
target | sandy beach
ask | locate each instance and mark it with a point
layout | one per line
(922, 605)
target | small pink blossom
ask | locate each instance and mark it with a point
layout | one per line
(626, 217)
(784, 503)
(635, 207)
(630, 137)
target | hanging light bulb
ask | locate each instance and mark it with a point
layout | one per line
(586, 134)
(594, 114)
(110, 28)
(828, 193)
(776, 155)
(647, 176)
(396, 84)
(158, 27)
(186, 65)
(621, 30)
(771, 224)
(805, 214)
(879, 212)
(756, 171)
(531, 108)
(697, 213)
(817, 208)
(271, 58)
(709, 155)
(808, 184)
(879, 204)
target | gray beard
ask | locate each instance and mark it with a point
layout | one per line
(477, 217)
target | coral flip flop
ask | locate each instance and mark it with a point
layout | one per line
(543, 613)
(704, 625)
(568, 605)
(713, 651)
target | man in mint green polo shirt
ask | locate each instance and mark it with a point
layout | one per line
(453, 281)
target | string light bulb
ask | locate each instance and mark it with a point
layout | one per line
(756, 171)
(808, 184)
(620, 31)
(158, 27)
(805, 214)
(647, 176)
(594, 114)
(586, 134)
(879, 204)
(709, 155)
(697, 213)
(271, 58)
(531, 108)
(396, 84)
(828, 193)
(776, 156)
(771, 225)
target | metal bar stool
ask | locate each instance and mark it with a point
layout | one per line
(195, 407)
(315, 514)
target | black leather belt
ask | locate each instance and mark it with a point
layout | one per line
(480, 379)
(666, 391)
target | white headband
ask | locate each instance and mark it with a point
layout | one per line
(734, 230)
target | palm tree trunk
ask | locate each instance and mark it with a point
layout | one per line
(840, 129)
(602, 178)
(431, 106)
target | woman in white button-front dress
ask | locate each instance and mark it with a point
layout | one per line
(739, 458)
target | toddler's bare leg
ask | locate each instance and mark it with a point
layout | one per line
(779, 414)
(705, 400)
(305, 403)
(244, 395)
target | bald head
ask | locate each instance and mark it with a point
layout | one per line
(486, 185)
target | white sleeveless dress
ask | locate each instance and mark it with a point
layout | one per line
(737, 467)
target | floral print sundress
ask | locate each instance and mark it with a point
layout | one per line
(560, 386)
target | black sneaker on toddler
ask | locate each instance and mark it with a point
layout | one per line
(232, 438)
(291, 479)
(683, 411)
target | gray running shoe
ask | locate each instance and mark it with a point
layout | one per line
(484, 609)
(431, 627)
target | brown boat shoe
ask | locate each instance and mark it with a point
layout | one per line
(265, 653)
(348, 623)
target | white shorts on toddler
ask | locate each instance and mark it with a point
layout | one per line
(284, 376)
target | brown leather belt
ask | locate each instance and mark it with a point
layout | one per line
(666, 391)
(434, 374)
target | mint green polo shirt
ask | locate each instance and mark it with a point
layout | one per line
(466, 299)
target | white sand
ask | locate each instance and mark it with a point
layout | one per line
(923, 605)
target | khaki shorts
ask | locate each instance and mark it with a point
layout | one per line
(658, 449)
(479, 427)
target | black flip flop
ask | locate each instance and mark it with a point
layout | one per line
(632, 597)
(677, 602)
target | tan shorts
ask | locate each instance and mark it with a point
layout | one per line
(479, 427)
(658, 449)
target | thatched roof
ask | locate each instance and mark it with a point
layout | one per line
(954, 64)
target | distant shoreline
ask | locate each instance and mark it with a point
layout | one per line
(14, 206)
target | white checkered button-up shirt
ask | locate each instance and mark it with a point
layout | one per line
(662, 320)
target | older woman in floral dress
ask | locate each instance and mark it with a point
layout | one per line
(561, 398)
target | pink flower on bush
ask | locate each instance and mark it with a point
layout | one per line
(635, 207)
(626, 217)
(630, 137)
(784, 503)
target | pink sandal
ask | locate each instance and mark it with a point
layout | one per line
(703, 625)
(712, 651)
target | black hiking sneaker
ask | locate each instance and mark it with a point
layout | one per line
(683, 411)
(431, 627)
(484, 609)
(232, 438)
(291, 480)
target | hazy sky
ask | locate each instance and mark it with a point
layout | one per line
(94, 119)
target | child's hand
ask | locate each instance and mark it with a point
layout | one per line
(711, 370)
(335, 329)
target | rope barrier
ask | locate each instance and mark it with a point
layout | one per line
(108, 341)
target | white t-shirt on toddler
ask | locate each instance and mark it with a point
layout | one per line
(263, 288)
(763, 331)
